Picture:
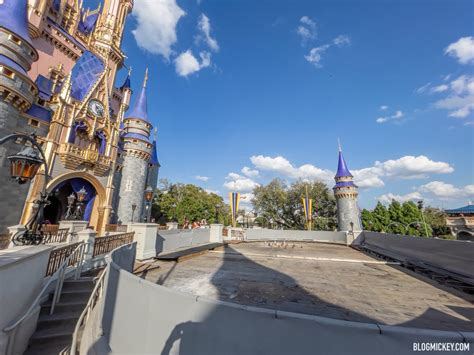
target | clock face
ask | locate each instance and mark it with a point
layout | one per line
(96, 108)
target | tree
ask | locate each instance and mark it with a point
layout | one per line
(177, 202)
(436, 218)
(279, 204)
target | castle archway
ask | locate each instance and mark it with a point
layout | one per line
(62, 186)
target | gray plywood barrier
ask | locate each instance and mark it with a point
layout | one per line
(452, 256)
(175, 239)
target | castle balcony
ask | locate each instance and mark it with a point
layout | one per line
(74, 157)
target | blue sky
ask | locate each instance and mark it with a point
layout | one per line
(271, 85)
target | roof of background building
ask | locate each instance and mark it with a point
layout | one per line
(87, 25)
(85, 74)
(40, 113)
(465, 209)
(13, 17)
(44, 86)
(10, 63)
(127, 83)
(154, 155)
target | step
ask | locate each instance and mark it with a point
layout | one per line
(70, 295)
(48, 348)
(64, 306)
(54, 334)
(78, 285)
(46, 321)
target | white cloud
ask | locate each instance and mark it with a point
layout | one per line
(460, 102)
(156, 25)
(249, 172)
(201, 178)
(186, 63)
(204, 26)
(342, 40)
(423, 89)
(282, 166)
(396, 116)
(413, 167)
(315, 54)
(239, 183)
(209, 191)
(462, 50)
(368, 178)
(383, 108)
(440, 88)
(387, 198)
(447, 191)
(307, 29)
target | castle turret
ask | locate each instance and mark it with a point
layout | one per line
(136, 158)
(346, 192)
(17, 95)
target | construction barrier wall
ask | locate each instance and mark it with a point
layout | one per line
(452, 256)
(173, 239)
(298, 235)
(141, 317)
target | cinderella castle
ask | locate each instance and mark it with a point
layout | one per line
(58, 71)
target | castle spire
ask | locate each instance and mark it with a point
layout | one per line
(127, 83)
(13, 17)
(140, 109)
(342, 169)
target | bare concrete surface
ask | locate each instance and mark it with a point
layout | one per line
(319, 279)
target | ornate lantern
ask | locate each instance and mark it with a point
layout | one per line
(148, 194)
(25, 164)
(81, 194)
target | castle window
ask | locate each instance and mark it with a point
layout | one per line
(7, 72)
(15, 39)
(33, 123)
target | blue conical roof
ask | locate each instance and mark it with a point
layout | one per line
(126, 84)
(13, 17)
(154, 155)
(140, 110)
(342, 169)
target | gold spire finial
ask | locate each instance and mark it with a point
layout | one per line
(146, 77)
(156, 133)
(129, 70)
(339, 145)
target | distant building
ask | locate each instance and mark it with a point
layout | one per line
(461, 222)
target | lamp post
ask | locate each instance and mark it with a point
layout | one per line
(134, 206)
(81, 195)
(23, 168)
(70, 201)
(148, 198)
(420, 207)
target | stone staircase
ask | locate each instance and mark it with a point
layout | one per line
(53, 333)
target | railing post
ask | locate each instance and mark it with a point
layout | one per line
(216, 233)
(145, 236)
(14, 230)
(74, 227)
(172, 225)
(87, 236)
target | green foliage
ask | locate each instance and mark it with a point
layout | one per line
(177, 202)
(436, 218)
(406, 218)
(279, 205)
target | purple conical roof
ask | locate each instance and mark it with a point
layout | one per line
(342, 169)
(13, 17)
(154, 155)
(140, 109)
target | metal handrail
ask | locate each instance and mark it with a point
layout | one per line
(56, 276)
(97, 293)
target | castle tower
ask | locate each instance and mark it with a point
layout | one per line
(17, 95)
(137, 151)
(346, 194)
